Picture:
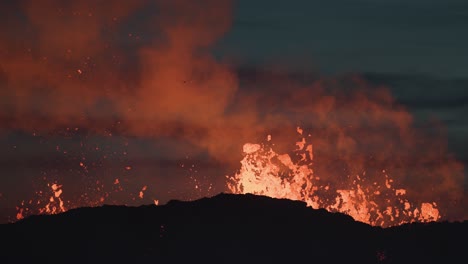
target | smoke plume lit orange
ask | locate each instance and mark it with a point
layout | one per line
(85, 64)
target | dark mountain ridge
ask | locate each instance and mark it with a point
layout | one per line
(226, 228)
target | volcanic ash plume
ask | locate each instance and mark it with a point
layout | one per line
(144, 69)
(90, 63)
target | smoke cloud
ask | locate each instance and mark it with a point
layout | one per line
(145, 69)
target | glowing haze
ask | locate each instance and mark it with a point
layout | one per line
(84, 67)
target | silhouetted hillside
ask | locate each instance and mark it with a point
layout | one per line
(226, 228)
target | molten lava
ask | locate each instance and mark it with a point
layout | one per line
(54, 204)
(373, 199)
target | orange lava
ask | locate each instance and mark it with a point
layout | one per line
(142, 192)
(373, 199)
(53, 205)
(53, 201)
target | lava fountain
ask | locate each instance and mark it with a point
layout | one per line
(53, 204)
(379, 201)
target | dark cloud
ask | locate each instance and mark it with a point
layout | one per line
(361, 36)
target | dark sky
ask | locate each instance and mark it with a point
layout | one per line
(408, 37)
(164, 94)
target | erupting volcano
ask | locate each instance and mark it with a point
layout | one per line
(138, 102)
(372, 196)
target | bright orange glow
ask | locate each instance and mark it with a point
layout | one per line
(372, 199)
(53, 205)
(142, 192)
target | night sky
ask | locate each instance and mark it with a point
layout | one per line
(160, 96)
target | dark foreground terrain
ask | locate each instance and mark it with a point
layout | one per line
(225, 229)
